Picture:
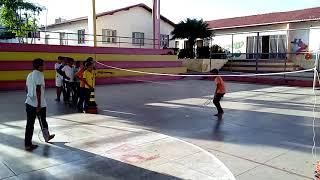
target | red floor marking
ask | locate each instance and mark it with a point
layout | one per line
(137, 158)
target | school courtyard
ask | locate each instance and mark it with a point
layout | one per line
(162, 130)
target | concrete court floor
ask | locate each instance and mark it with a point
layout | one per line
(266, 132)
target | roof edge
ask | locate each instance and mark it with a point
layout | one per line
(111, 13)
(265, 24)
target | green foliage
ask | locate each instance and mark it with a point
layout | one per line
(203, 52)
(191, 29)
(19, 17)
(218, 52)
(186, 53)
(5, 34)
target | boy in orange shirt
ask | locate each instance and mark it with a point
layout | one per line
(81, 92)
(219, 93)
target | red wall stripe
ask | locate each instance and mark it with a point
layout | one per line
(24, 65)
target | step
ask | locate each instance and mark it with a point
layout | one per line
(260, 60)
(259, 64)
(260, 69)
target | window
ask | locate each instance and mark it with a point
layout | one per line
(273, 47)
(164, 40)
(252, 46)
(63, 40)
(206, 42)
(199, 43)
(46, 39)
(109, 36)
(35, 34)
(177, 44)
(278, 46)
(81, 36)
(138, 38)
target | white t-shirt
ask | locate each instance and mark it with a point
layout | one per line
(69, 73)
(56, 67)
(35, 78)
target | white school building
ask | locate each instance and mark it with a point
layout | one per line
(130, 26)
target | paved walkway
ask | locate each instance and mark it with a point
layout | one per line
(266, 133)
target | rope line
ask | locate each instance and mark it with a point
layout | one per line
(314, 146)
(205, 75)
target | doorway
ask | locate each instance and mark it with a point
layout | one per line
(265, 47)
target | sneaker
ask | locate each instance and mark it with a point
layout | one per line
(58, 100)
(50, 137)
(31, 147)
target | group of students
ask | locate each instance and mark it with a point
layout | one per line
(75, 81)
(79, 79)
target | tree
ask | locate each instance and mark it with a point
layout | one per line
(19, 17)
(191, 29)
(5, 34)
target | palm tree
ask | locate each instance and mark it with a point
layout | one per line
(191, 29)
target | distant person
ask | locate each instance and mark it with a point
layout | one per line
(59, 77)
(76, 68)
(219, 92)
(76, 86)
(91, 60)
(89, 79)
(64, 77)
(81, 91)
(36, 104)
(69, 78)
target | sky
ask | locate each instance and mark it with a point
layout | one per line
(175, 10)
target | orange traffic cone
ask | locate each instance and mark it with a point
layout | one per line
(92, 105)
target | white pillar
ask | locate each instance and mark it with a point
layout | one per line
(92, 39)
(156, 24)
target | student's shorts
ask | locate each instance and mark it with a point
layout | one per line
(59, 82)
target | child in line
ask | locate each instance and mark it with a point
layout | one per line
(219, 92)
(69, 73)
(64, 78)
(81, 91)
(76, 85)
(59, 77)
(89, 79)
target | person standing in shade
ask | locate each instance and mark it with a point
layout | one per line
(59, 77)
(81, 92)
(76, 84)
(89, 79)
(36, 105)
(219, 92)
(69, 78)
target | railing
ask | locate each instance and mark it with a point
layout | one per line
(261, 63)
(75, 39)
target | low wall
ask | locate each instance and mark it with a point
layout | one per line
(16, 63)
(203, 65)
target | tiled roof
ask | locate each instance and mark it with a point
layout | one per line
(267, 19)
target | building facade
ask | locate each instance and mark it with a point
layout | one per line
(288, 35)
(292, 35)
(126, 27)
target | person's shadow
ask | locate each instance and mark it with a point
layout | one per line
(218, 123)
